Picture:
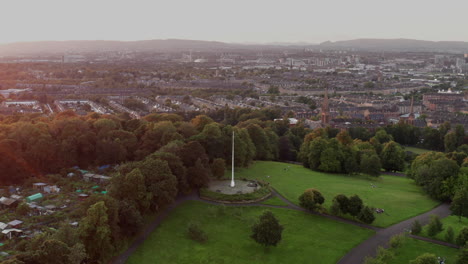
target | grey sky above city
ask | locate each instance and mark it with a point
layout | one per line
(251, 21)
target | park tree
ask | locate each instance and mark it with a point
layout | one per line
(462, 237)
(392, 157)
(366, 215)
(311, 199)
(176, 165)
(200, 121)
(54, 252)
(425, 258)
(343, 203)
(433, 171)
(260, 141)
(355, 205)
(159, 182)
(370, 164)
(198, 175)
(330, 160)
(435, 226)
(463, 255)
(382, 137)
(459, 205)
(218, 168)
(96, 233)
(77, 254)
(449, 235)
(67, 234)
(450, 142)
(416, 227)
(131, 188)
(267, 231)
(130, 218)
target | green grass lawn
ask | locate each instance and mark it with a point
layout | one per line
(412, 248)
(274, 201)
(417, 150)
(400, 197)
(306, 237)
(452, 221)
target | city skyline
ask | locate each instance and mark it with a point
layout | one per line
(233, 22)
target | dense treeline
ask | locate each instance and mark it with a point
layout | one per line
(38, 145)
(160, 156)
(332, 151)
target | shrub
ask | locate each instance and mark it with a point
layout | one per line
(335, 208)
(463, 256)
(449, 236)
(416, 228)
(23, 209)
(311, 199)
(396, 241)
(343, 202)
(366, 215)
(462, 237)
(435, 226)
(195, 233)
(354, 205)
(425, 258)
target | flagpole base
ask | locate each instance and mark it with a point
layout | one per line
(233, 184)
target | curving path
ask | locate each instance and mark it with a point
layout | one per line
(369, 247)
(355, 256)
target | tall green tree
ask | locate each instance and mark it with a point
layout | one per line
(267, 231)
(96, 233)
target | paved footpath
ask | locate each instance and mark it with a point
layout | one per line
(355, 256)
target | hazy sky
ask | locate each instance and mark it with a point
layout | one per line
(233, 20)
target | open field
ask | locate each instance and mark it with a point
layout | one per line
(412, 248)
(305, 237)
(448, 221)
(416, 150)
(274, 201)
(400, 197)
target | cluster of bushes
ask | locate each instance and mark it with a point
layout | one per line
(435, 226)
(312, 200)
(353, 206)
(384, 255)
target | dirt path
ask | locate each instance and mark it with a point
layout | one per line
(355, 256)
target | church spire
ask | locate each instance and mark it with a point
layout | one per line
(411, 114)
(325, 108)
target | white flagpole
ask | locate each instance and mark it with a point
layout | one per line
(233, 184)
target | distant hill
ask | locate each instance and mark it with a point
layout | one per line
(399, 45)
(169, 45)
(51, 47)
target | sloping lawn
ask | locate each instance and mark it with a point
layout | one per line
(274, 201)
(412, 248)
(305, 237)
(452, 221)
(400, 197)
(416, 150)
